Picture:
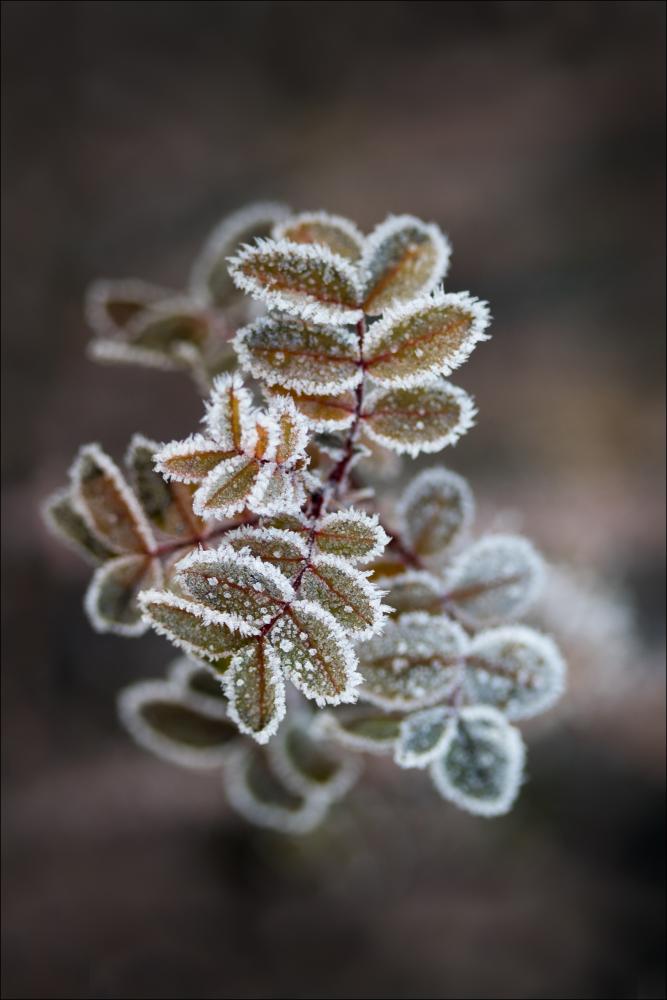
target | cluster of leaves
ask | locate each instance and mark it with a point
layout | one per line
(244, 543)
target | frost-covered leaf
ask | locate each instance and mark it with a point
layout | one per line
(302, 279)
(351, 534)
(315, 654)
(333, 231)
(495, 578)
(282, 491)
(423, 736)
(293, 430)
(228, 418)
(111, 599)
(415, 343)
(162, 718)
(426, 418)
(210, 281)
(415, 662)
(197, 630)
(299, 354)
(110, 305)
(333, 412)
(244, 591)
(306, 764)
(70, 527)
(403, 257)
(435, 510)
(481, 767)
(257, 793)
(103, 499)
(202, 683)
(360, 729)
(231, 486)
(414, 590)
(166, 504)
(256, 691)
(515, 669)
(344, 591)
(191, 461)
(165, 326)
(284, 549)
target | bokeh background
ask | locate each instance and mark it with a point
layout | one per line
(533, 132)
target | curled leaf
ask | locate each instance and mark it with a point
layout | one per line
(435, 510)
(111, 599)
(515, 669)
(299, 354)
(333, 231)
(315, 654)
(416, 661)
(481, 767)
(403, 257)
(497, 577)
(65, 522)
(351, 534)
(417, 342)
(256, 691)
(424, 419)
(423, 737)
(162, 718)
(304, 279)
(197, 630)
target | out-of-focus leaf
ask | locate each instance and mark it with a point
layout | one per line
(424, 419)
(360, 729)
(423, 737)
(111, 599)
(414, 590)
(333, 231)
(435, 510)
(306, 764)
(166, 504)
(495, 578)
(110, 305)
(70, 527)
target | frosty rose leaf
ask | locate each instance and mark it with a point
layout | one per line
(65, 522)
(201, 683)
(481, 767)
(333, 231)
(190, 461)
(197, 630)
(284, 549)
(360, 729)
(167, 505)
(111, 599)
(496, 578)
(299, 354)
(162, 718)
(255, 690)
(351, 534)
(435, 510)
(424, 419)
(293, 430)
(403, 257)
(315, 654)
(422, 737)
(228, 417)
(414, 343)
(163, 326)
(415, 662)
(210, 281)
(324, 413)
(302, 279)
(344, 592)
(103, 499)
(308, 766)
(515, 669)
(231, 486)
(257, 793)
(244, 591)
(414, 590)
(110, 305)
(281, 492)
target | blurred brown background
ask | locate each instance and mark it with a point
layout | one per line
(533, 132)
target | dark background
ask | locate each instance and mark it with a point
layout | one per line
(533, 133)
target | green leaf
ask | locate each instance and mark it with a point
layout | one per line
(344, 592)
(416, 661)
(332, 231)
(497, 577)
(70, 527)
(414, 590)
(402, 258)
(162, 718)
(111, 599)
(431, 336)
(244, 591)
(197, 630)
(286, 550)
(256, 691)
(333, 412)
(482, 764)
(315, 654)
(202, 683)
(351, 534)
(423, 737)
(301, 355)
(516, 670)
(435, 510)
(360, 729)
(423, 419)
(233, 484)
(298, 278)
(108, 507)
(306, 765)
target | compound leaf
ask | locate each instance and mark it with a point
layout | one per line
(414, 590)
